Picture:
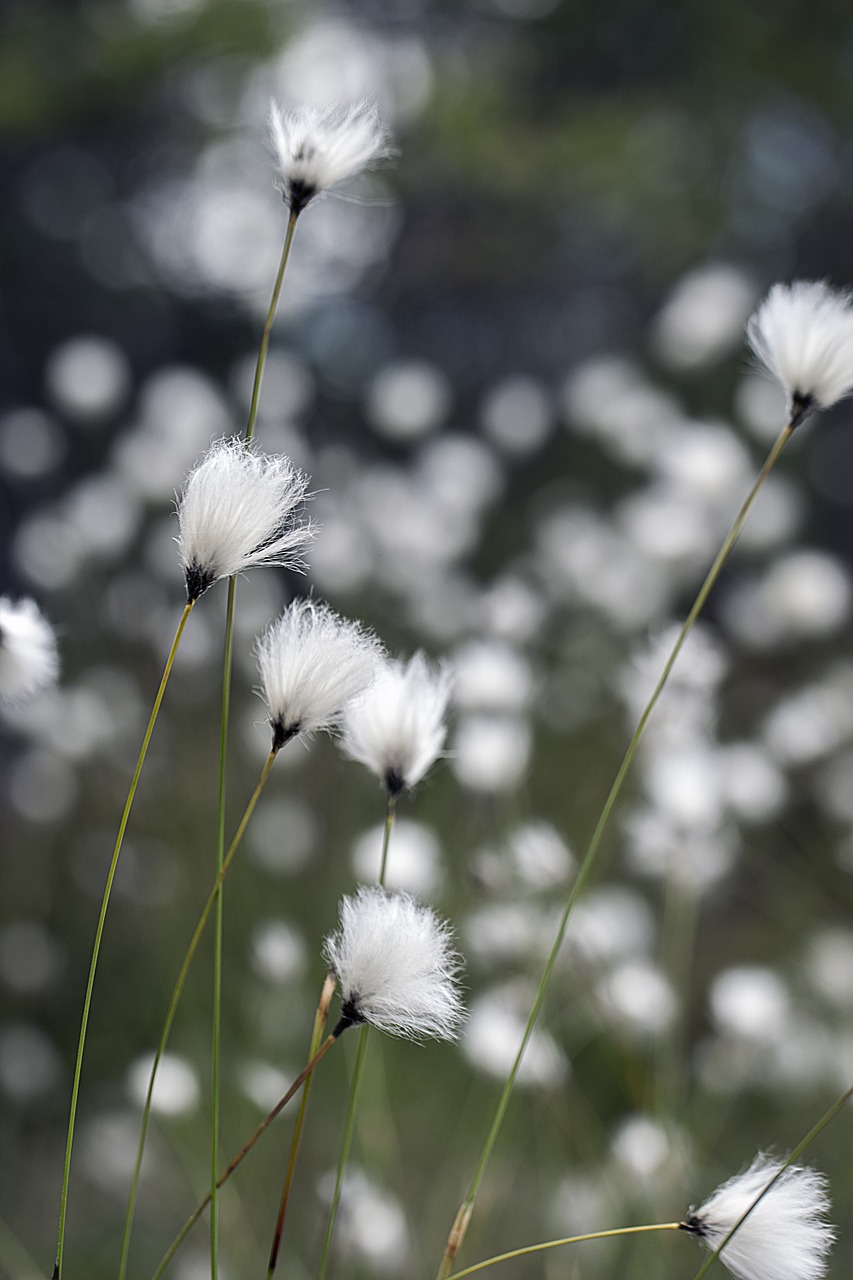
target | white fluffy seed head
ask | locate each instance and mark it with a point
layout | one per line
(311, 664)
(785, 1237)
(803, 334)
(240, 509)
(28, 657)
(396, 966)
(316, 149)
(397, 730)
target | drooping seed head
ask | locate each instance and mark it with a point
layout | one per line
(785, 1237)
(28, 656)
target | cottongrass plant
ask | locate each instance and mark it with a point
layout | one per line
(313, 150)
(768, 1223)
(311, 662)
(396, 968)
(804, 337)
(29, 661)
(783, 1232)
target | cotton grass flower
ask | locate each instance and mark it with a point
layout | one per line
(396, 967)
(240, 509)
(803, 334)
(397, 731)
(785, 1236)
(28, 656)
(311, 664)
(316, 149)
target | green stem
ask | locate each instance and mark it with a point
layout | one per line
(346, 1143)
(801, 1146)
(173, 1006)
(358, 1072)
(463, 1217)
(216, 1030)
(555, 1244)
(265, 337)
(240, 1157)
(390, 814)
(320, 1019)
(87, 1002)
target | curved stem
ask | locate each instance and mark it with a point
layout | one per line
(173, 1006)
(87, 1001)
(463, 1217)
(555, 1244)
(265, 337)
(319, 1026)
(240, 1157)
(828, 1115)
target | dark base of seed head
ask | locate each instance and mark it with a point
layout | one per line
(694, 1225)
(198, 581)
(395, 783)
(801, 406)
(297, 195)
(282, 733)
(351, 1016)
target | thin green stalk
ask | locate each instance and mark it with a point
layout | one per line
(240, 1157)
(816, 1129)
(390, 814)
(555, 1244)
(320, 1019)
(358, 1072)
(216, 1031)
(460, 1226)
(87, 1001)
(265, 336)
(174, 1001)
(346, 1143)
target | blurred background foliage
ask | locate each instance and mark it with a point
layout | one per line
(512, 361)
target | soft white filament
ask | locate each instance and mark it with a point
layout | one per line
(803, 334)
(785, 1237)
(311, 663)
(316, 149)
(240, 509)
(398, 729)
(396, 967)
(28, 657)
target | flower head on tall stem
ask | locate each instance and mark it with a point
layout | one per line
(397, 731)
(317, 148)
(803, 334)
(396, 966)
(28, 657)
(312, 663)
(240, 509)
(785, 1237)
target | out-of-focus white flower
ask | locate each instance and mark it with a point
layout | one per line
(785, 1237)
(396, 967)
(311, 663)
(28, 657)
(316, 149)
(240, 509)
(397, 730)
(803, 334)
